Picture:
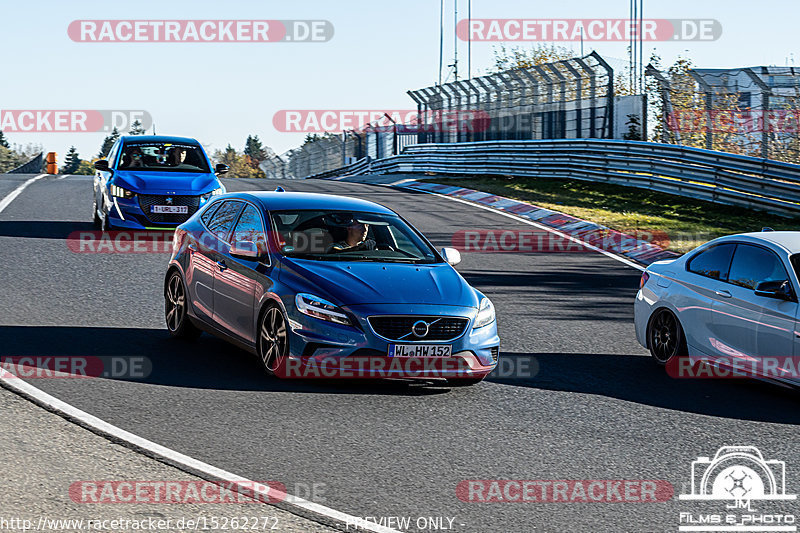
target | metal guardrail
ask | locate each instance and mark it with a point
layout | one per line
(719, 177)
(360, 167)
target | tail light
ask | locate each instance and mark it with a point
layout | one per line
(645, 277)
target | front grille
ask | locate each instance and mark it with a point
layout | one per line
(398, 328)
(495, 354)
(146, 201)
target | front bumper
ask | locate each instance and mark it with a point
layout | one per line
(129, 213)
(326, 350)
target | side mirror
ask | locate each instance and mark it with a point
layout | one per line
(451, 255)
(245, 250)
(780, 290)
(101, 164)
(222, 169)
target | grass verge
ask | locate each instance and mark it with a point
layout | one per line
(685, 222)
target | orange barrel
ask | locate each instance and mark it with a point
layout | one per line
(52, 168)
(51, 158)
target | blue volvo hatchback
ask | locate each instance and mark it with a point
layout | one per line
(327, 286)
(153, 182)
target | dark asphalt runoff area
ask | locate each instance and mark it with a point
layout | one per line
(594, 406)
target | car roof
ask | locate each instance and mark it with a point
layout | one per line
(280, 200)
(789, 240)
(157, 139)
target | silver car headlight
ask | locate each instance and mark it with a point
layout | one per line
(119, 192)
(486, 313)
(311, 305)
(215, 192)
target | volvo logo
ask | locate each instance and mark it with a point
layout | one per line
(420, 329)
(168, 199)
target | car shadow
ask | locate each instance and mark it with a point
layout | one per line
(636, 378)
(41, 229)
(151, 356)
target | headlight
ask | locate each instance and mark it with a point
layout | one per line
(485, 314)
(311, 305)
(119, 192)
(215, 192)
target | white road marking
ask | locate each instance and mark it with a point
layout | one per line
(176, 459)
(534, 224)
(5, 202)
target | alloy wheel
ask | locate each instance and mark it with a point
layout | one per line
(273, 339)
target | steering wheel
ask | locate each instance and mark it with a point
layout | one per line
(384, 246)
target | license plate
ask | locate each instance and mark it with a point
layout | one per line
(170, 209)
(420, 350)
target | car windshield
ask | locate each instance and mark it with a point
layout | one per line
(350, 236)
(162, 156)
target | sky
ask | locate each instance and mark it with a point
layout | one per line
(220, 93)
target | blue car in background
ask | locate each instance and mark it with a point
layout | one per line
(329, 287)
(153, 182)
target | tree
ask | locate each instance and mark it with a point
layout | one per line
(3, 140)
(518, 57)
(241, 165)
(71, 162)
(136, 128)
(108, 142)
(254, 149)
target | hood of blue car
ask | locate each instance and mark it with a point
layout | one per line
(166, 182)
(354, 283)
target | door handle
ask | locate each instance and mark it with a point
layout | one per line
(222, 266)
(723, 293)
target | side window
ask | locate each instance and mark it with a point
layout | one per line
(753, 264)
(209, 212)
(250, 228)
(222, 220)
(112, 155)
(714, 262)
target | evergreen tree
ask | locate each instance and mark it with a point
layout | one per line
(108, 142)
(136, 128)
(3, 140)
(71, 162)
(254, 149)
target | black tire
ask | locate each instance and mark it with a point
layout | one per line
(98, 224)
(273, 340)
(665, 337)
(175, 303)
(463, 382)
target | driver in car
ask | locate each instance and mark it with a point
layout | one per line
(356, 239)
(178, 156)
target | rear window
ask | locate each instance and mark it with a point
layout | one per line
(222, 220)
(714, 262)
